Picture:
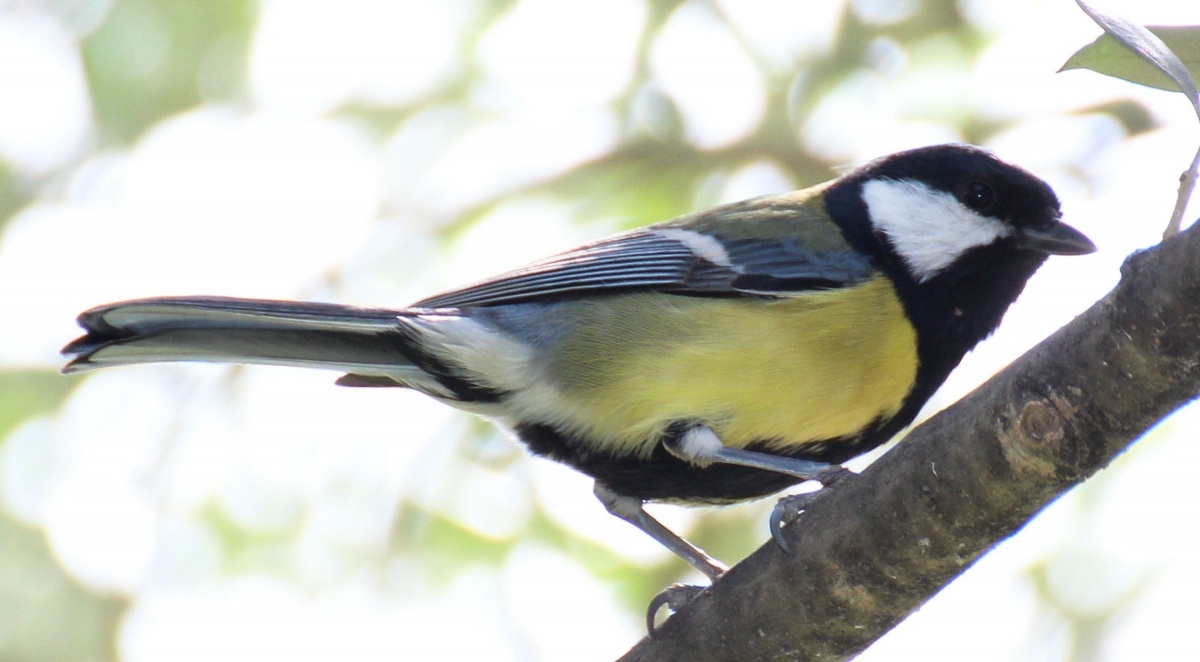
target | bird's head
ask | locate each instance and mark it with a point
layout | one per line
(940, 208)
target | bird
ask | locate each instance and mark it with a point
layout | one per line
(715, 358)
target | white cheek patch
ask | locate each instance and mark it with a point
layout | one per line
(929, 229)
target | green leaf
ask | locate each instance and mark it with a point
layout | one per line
(1107, 56)
(1154, 51)
(1154, 57)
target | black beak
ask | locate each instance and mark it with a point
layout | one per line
(1058, 239)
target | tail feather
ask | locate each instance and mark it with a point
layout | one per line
(225, 330)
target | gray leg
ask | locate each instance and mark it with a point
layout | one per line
(702, 447)
(630, 509)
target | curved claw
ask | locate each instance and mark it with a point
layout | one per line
(787, 510)
(673, 597)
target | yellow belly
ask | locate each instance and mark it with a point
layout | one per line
(818, 366)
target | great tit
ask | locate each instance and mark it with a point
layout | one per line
(714, 358)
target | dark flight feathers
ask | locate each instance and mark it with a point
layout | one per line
(661, 259)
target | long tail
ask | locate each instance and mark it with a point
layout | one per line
(362, 341)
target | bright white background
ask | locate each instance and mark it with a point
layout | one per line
(374, 152)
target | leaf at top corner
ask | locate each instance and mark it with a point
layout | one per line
(1107, 56)
(1146, 45)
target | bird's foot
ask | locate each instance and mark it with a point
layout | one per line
(787, 510)
(673, 597)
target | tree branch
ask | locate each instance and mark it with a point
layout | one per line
(880, 545)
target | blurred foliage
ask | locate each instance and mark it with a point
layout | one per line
(44, 615)
(28, 393)
(11, 198)
(150, 59)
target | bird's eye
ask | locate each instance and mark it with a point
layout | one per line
(978, 195)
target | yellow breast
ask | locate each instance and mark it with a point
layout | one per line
(806, 368)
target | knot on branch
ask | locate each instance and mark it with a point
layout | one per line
(1034, 444)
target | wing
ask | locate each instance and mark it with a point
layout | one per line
(768, 247)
